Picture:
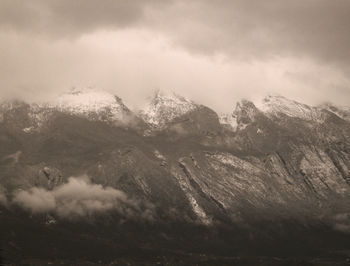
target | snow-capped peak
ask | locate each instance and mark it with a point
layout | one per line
(164, 107)
(274, 105)
(89, 102)
(86, 100)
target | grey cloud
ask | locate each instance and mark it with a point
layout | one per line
(238, 28)
(265, 29)
(71, 18)
(79, 198)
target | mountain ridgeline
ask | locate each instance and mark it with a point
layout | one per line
(177, 171)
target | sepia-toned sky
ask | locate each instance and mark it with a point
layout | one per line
(215, 52)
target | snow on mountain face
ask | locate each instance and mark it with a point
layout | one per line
(164, 108)
(90, 103)
(275, 105)
(229, 120)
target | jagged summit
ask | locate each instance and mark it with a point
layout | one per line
(163, 107)
(245, 111)
(243, 114)
(275, 106)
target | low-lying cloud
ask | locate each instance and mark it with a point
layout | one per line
(79, 197)
(36, 200)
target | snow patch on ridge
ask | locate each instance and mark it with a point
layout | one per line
(89, 103)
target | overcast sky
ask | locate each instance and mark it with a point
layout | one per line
(214, 52)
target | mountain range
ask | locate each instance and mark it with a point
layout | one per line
(175, 175)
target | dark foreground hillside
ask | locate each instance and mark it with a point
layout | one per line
(31, 241)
